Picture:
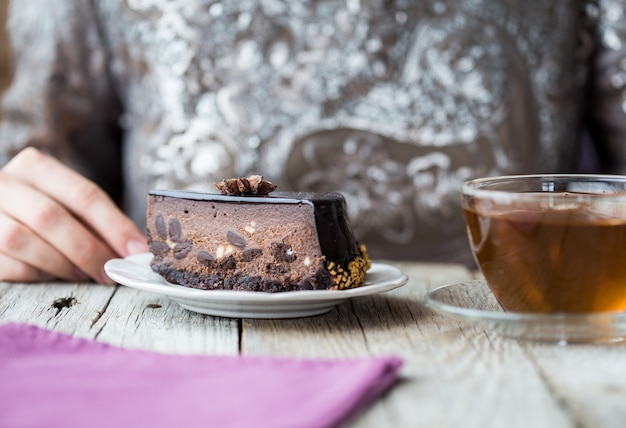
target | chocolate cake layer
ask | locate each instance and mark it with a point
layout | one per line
(272, 243)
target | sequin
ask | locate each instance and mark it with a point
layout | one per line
(393, 103)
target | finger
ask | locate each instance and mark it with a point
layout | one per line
(16, 271)
(20, 243)
(82, 197)
(56, 226)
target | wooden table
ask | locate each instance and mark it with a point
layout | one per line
(454, 374)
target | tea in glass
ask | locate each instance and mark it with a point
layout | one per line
(552, 243)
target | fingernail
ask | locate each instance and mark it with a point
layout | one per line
(44, 276)
(136, 246)
(104, 278)
(79, 275)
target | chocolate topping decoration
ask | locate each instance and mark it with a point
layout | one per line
(253, 185)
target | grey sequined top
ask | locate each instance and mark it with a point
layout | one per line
(393, 103)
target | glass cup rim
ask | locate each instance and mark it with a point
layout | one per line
(478, 187)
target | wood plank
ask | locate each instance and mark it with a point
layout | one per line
(590, 380)
(72, 308)
(453, 375)
(340, 332)
(119, 316)
(139, 319)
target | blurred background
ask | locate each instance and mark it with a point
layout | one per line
(5, 64)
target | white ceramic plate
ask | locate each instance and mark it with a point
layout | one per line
(135, 272)
(473, 302)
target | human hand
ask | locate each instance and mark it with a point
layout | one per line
(55, 223)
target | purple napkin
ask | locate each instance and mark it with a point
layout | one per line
(49, 379)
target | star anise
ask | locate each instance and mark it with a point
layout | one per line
(253, 185)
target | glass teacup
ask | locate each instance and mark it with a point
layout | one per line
(550, 243)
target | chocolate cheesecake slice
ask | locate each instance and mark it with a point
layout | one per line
(270, 243)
